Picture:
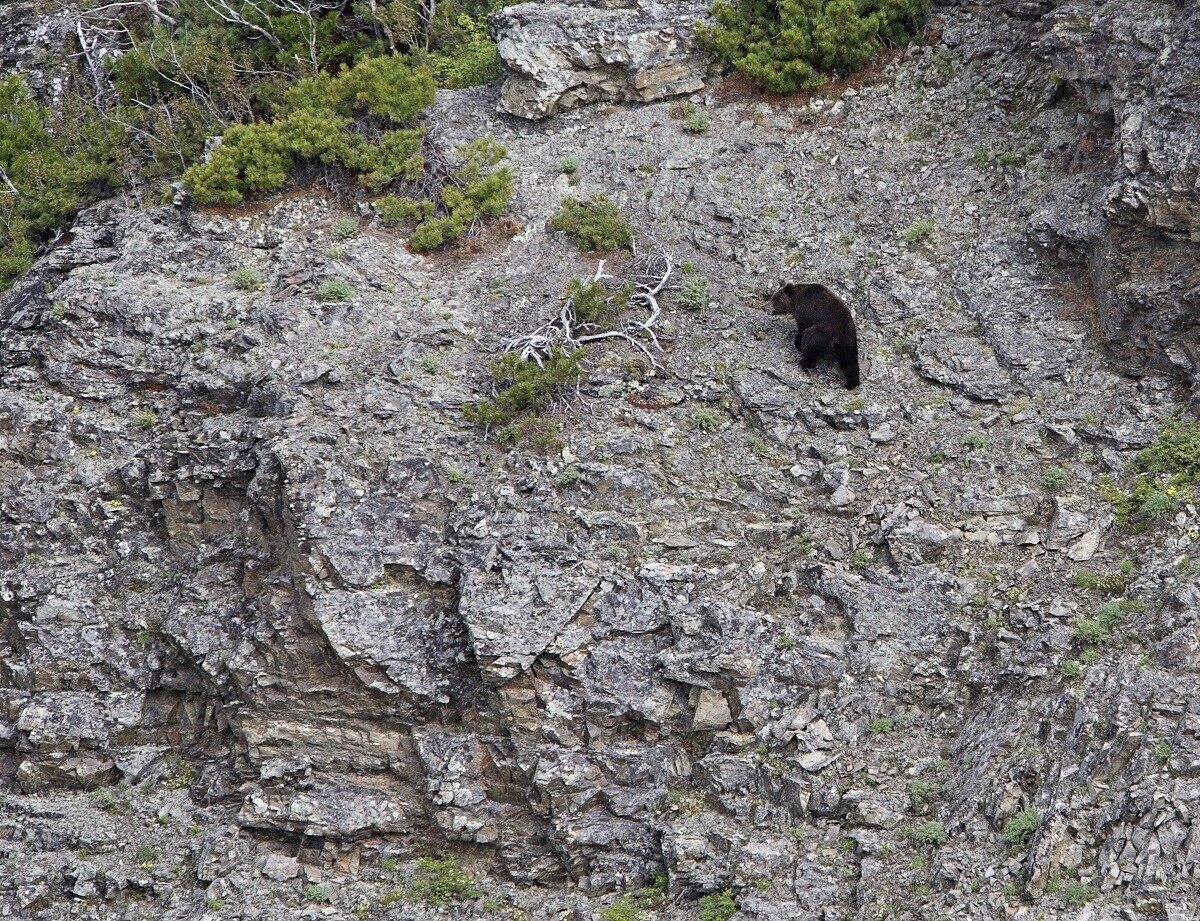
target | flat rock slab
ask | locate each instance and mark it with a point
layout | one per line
(964, 363)
(559, 56)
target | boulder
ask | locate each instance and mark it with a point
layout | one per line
(558, 56)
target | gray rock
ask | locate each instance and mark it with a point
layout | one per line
(557, 56)
(964, 363)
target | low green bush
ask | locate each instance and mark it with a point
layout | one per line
(470, 60)
(246, 279)
(1054, 478)
(1018, 831)
(697, 123)
(593, 303)
(1164, 475)
(929, 833)
(919, 231)
(783, 45)
(313, 126)
(624, 909)
(718, 906)
(920, 792)
(525, 387)
(440, 881)
(395, 209)
(595, 225)
(693, 293)
(1078, 894)
(334, 289)
(344, 229)
(55, 162)
(1084, 579)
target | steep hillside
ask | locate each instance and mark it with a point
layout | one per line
(283, 635)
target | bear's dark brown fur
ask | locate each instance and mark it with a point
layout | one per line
(824, 326)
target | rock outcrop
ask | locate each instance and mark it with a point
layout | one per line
(1130, 215)
(557, 56)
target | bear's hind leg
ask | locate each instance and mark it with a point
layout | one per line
(813, 344)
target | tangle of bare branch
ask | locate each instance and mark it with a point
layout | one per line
(565, 332)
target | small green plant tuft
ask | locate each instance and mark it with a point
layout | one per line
(594, 225)
(318, 892)
(1162, 753)
(919, 231)
(920, 792)
(1018, 831)
(697, 123)
(624, 909)
(246, 279)
(429, 363)
(703, 419)
(440, 881)
(334, 289)
(568, 476)
(1085, 580)
(1071, 669)
(975, 440)
(882, 724)
(1054, 478)
(693, 293)
(1078, 894)
(344, 229)
(568, 165)
(145, 419)
(929, 833)
(1091, 631)
(718, 906)
(593, 303)
(1165, 475)
(147, 854)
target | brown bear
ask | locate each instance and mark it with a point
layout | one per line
(824, 326)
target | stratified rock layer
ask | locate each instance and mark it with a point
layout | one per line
(558, 56)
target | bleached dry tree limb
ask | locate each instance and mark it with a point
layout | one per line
(568, 333)
(11, 189)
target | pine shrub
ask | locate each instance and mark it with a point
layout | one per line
(57, 163)
(526, 387)
(595, 225)
(784, 45)
(384, 94)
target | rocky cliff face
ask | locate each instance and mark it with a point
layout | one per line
(275, 618)
(1133, 226)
